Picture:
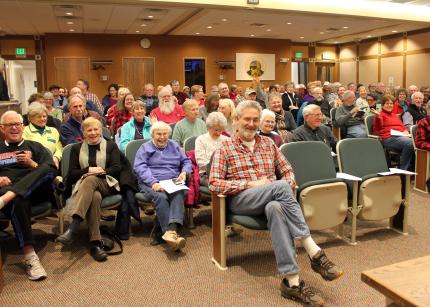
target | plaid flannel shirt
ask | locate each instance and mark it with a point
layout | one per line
(93, 97)
(234, 165)
(120, 118)
(422, 137)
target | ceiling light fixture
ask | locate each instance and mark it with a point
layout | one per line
(321, 32)
(209, 27)
(69, 13)
(223, 19)
(70, 22)
(197, 33)
(369, 36)
(288, 23)
(72, 30)
(150, 16)
(345, 27)
(394, 31)
(143, 25)
(252, 35)
(302, 37)
(268, 30)
(137, 31)
(336, 42)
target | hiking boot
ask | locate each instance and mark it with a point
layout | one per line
(175, 241)
(302, 293)
(34, 268)
(327, 269)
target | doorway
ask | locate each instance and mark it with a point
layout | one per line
(195, 72)
(325, 72)
(299, 72)
(22, 80)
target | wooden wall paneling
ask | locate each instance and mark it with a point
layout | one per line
(357, 64)
(337, 65)
(405, 51)
(69, 69)
(40, 64)
(312, 69)
(379, 60)
(137, 72)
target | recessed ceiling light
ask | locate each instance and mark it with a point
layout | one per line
(70, 22)
(143, 25)
(369, 36)
(209, 27)
(268, 30)
(394, 31)
(197, 33)
(321, 32)
(302, 37)
(223, 19)
(288, 23)
(336, 42)
(252, 35)
(137, 31)
(69, 13)
(150, 16)
(345, 27)
(72, 30)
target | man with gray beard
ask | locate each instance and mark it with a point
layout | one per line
(168, 111)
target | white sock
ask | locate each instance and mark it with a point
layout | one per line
(30, 255)
(293, 280)
(311, 247)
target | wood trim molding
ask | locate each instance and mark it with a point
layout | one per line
(405, 50)
(379, 59)
(392, 54)
(369, 57)
(418, 51)
(357, 64)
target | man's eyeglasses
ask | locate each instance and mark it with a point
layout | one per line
(17, 125)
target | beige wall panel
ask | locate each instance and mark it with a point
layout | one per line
(392, 45)
(370, 48)
(417, 71)
(368, 70)
(392, 67)
(348, 72)
(325, 49)
(303, 49)
(347, 52)
(419, 41)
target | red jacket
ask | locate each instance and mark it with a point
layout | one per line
(398, 109)
(383, 123)
(194, 183)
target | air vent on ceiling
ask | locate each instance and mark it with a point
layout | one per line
(256, 24)
(148, 20)
(332, 29)
(159, 11)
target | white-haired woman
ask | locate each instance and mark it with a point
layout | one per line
(227, 107)
(163, 159)
(267, 124)
(48, 100)
(94, 169)
(207, 143)
(38, 131)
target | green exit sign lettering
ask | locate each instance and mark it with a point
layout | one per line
(298, 55)
(20, 52)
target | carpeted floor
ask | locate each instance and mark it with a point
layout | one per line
(154, 276)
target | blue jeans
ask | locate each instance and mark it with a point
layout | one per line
(404, 145)
(286, 222)
(357, 131)
(169, 207)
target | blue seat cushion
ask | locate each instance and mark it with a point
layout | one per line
(251, 222)
(111, 202)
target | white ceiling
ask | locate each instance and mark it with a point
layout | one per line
(340, 25)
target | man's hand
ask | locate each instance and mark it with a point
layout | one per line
(94, 170)
(24, 158)
(4, 181)
(182, 177)
(355, 110)
(157, 187)
(252, 184)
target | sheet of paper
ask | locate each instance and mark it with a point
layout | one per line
(386, 173)
(347, 177)
(170, 187)
(400, 171)
(397, 133)
(333, 154)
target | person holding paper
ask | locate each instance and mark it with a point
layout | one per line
(157, 160)
(384, 122)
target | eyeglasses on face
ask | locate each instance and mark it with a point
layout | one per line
(17, 125)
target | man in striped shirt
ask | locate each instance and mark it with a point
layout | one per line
(259, 180)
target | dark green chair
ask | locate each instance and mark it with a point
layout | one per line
(190, 143)
(322, 197)
(378, 197)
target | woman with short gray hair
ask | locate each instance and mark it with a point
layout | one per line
(267, 124)
(48, 100)
(207, 143)
(38, 131)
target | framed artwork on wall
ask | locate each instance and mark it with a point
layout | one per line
(252, 65)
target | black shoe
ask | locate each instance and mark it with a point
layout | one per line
(97, 252)
(66, 238)
(302, 293)
(327, 269)
(156, 235)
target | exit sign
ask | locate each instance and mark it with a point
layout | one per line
(298, 55)
(20, 52)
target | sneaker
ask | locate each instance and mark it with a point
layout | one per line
(301, 293)
(34, 268)
(175, 241)
(327, 269)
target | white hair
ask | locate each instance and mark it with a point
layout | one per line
(216, 119)
(10, 112)
(160, 126)
(266, 113)
(309, 109)
(247, 104)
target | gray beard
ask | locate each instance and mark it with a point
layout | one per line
(167, 107)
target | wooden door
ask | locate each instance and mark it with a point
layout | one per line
(69, 69)
(137, 72)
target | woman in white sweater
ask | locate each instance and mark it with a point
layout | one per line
(207, 143)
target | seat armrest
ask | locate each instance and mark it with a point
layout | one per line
(59, 184)
(317, 182)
